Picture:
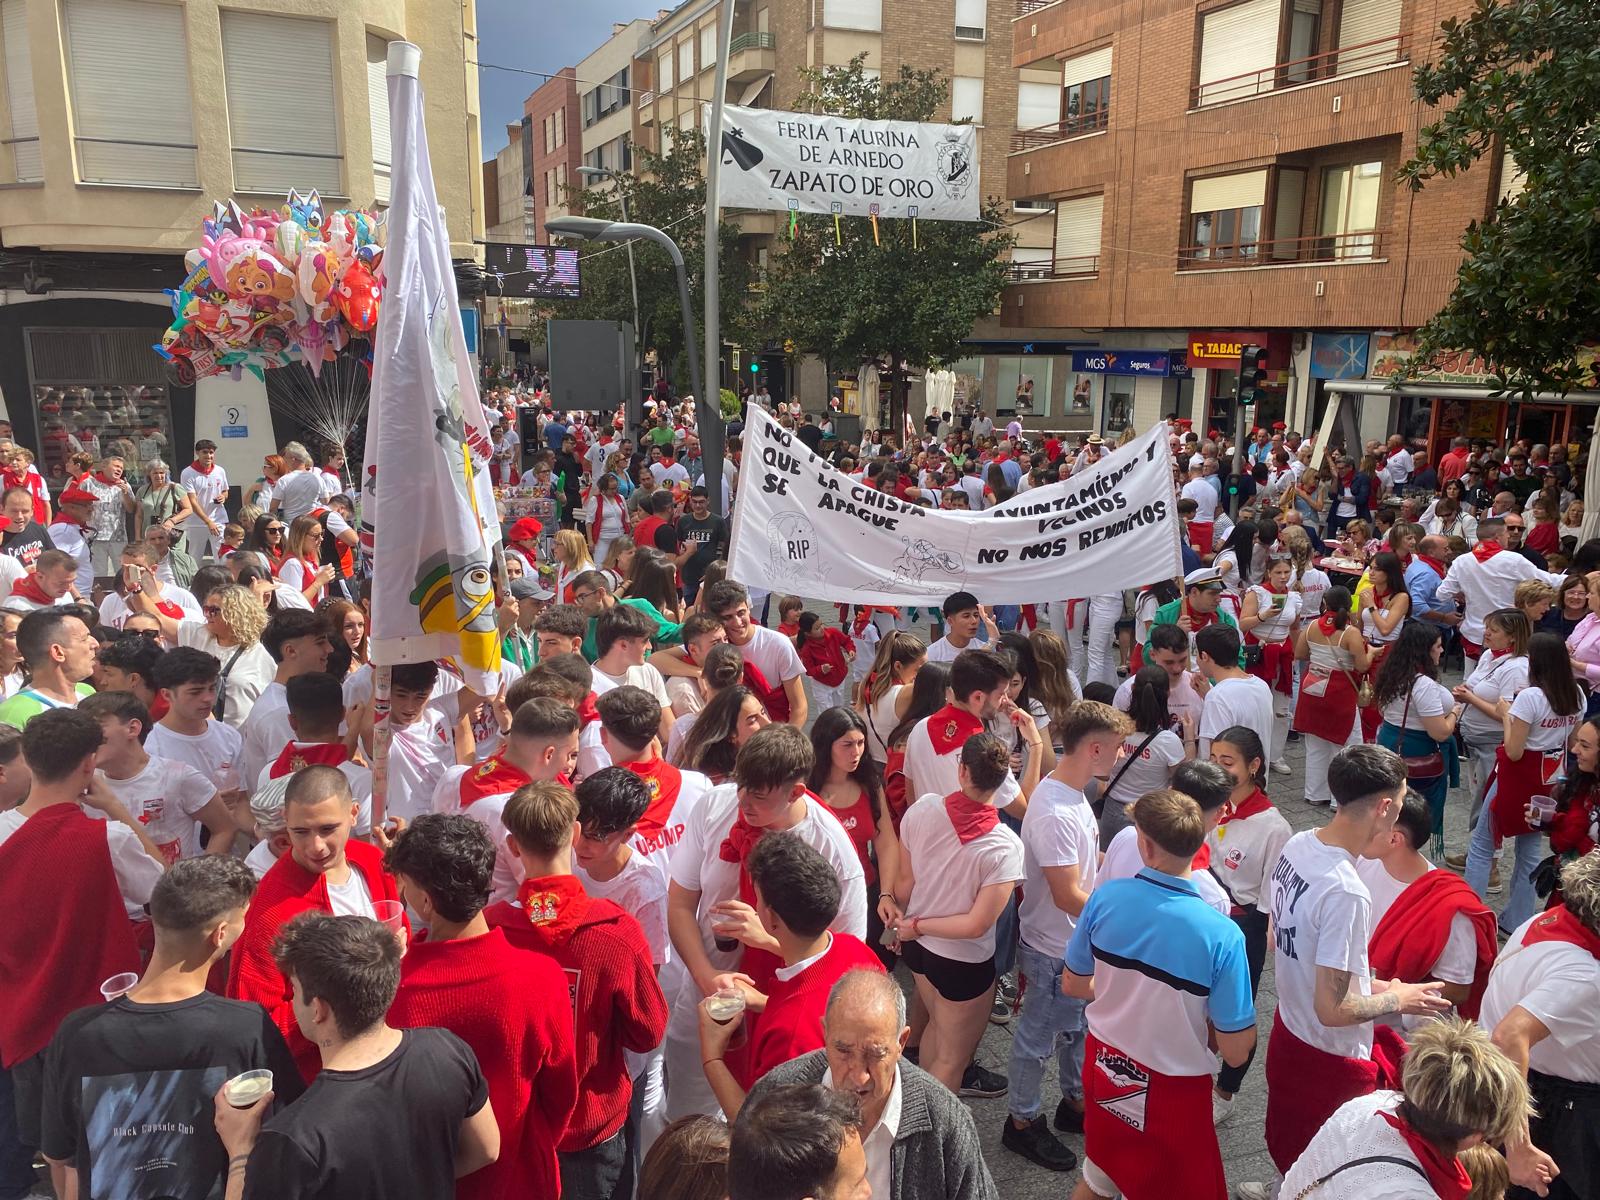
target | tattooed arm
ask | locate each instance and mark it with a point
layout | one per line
(1337, 1005)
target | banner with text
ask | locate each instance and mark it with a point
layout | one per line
(802, 527)
(846, 166)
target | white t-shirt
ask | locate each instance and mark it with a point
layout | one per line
(684, 696)
(929, 771)
(358, 776)
(1558, 983)
(592, 753)
(942, 651)
(1245, 701)
(165, 797)
(298, 493)
(1321, 917)
(639, 889)
(68, 536)
(1243, 853)
(1429, 698)
(260, 858)
(212, 753)
(1145, 770)
(1457, 962)
(419, 755)
(1547, 729)
(114, 610)
(669, 473)
(1181, 697)
(209, 493)
(1059, 830)
(1398, 467)
(1204, 495)
(947, 875)
(352, 898)
(488, 811)
(773, 655)
(250, 674)
(642, 676)
(266, 730)
(1121, 861)
(445, 701)
(1494, 678)
(136, 871)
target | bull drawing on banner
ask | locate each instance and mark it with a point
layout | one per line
(921, 556)
(792, 558)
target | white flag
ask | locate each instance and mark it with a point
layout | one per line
(427, 501)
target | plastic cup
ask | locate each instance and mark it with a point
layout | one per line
(390, 914)
(725, 1005)
(244, 1090)
(724, 943)
(1543, 808)
(119, 985)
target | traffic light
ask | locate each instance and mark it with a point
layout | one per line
(755, 368)
(1235, 485)
(1252, 374)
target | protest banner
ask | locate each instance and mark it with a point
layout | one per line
(847, 167)
(800, 526)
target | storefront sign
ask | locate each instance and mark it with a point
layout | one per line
(802, 527)
(1392, 352)
(1208, 348)
(1179, 361)
(1122, 362)
(1339, 355)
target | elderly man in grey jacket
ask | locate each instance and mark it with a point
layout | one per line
(920, 1141)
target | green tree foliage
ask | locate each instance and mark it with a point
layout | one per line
(1524, 74)
(891, 299)
(667, 191)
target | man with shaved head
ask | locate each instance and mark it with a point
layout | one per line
(919, 1139)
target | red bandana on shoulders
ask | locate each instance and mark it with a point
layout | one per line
(971, 818)
(1329, 624)
(554, 906)
(1255, 802)
(950, 727)
(296, 757)
(663, 781)
(494, 776)
(203, 470)
(28, 588)
(587, 712)
(1446, 1175)
(1439, 568)
(1486, 549)
(1559, 925)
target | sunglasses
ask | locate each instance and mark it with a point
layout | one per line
(211, 610)
(274, 529)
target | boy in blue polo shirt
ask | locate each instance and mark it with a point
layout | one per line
(1162, 970)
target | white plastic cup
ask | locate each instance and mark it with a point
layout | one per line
(1543, 809)
(243, 1091)
(390, 914)
(119, 985)
(725, 1005)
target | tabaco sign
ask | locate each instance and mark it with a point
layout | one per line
(1209, 348)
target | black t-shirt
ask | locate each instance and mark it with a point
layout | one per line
(384, 1132)
(708, 537)
(27, 545)
(129, 1092)
(811, 435)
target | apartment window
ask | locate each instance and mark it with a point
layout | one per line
(1086, 91)
(966, 99)
(1305, 32)
(1031, 262)
(761, 20)
(708, 45)
(1032, 206)
(686, 60)
(971, 20)
(22, 139)
(1513, 180)
(1038, 105)
(286, 135)
(1225, 216)
(853, 14)
(128, 71)
(1077, 245)
(664, 71)
(560, 120)
(1371, 29)
(1238, 49)
(591, 107)
(378, 107)
(1348, 220)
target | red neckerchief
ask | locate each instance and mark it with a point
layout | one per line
(494, 776)
(587, 711)
(1378, 599)
(28, 588)
(950, 727)
(1267, 587)
(1328, 623)
(1486, 549)
(735, 848)
(1446, 1176)
(297, 755)
(104, 480)
(168, 609)
(1439, 568)
(1559, 925)
(203, 470)
(971, 818)
(1201, 859)
(663, 781)
(1255, 802)
(13, 479)
(555, 906)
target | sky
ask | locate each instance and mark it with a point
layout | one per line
(538, 35)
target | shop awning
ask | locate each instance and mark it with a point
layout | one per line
(1379, 387)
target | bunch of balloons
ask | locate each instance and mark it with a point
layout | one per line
(268, 288)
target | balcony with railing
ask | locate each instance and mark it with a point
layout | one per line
(1024, 7)
(647, 98)
(1083, 267)
(1366, 245)
(1070, 127)
(751, 55)
(1345, 60)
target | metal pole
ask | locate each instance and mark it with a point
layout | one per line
(712, 430)
(638, 334)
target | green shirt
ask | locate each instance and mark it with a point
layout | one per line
(661, 436)
(520, 648)
(1168, 613)
(667, 634)
(28, 704)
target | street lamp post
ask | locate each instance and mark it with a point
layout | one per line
(633, 283)
(709, 408)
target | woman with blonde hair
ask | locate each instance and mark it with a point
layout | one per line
(1306, 579)
(230, 631)
(887, 694)
(1054, 686)
(1357, 543)
(618, 561)
(572, 559)
(301, 570)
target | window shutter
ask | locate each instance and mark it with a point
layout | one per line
(1038, 105)
(966, 99)
(1094, 65)
(971, 19)
(853, 14)
(1512, 180)
(1236, 41)
(287, 134)
(1218, 193)
(686, 60)
(1078, 233)
(28, 164)
(128, 71)
(708, 45)
(378, 103)
(1363, 21)
(664, 71)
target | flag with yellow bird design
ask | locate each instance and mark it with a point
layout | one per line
(428, 514)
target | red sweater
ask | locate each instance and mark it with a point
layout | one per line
(68, 930)
(617, 1004)
(286, 891)
(791, 1024)
(824, 659)
(513, 1008)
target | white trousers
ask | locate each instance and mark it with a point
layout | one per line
(1104, 613)
(1319, 753)
(688, 1091)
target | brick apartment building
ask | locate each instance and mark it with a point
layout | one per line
(1223, 173)
(554, 146)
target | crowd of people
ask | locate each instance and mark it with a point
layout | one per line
(716, 896)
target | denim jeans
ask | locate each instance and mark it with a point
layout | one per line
(1480, 855)
(602, 1172)
(16, 1160)
(1050, 1022)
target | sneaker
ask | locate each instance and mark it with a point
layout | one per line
(1255, 1191)
(1294, 735)
(1000, 1010)
(1282, 768)
(1494, 877)
(1318, 801)
(1221, 1110)
(1035, 1142)
(1456, 862)
(1068, 1119)
(982, 1084)
(1006, 986)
